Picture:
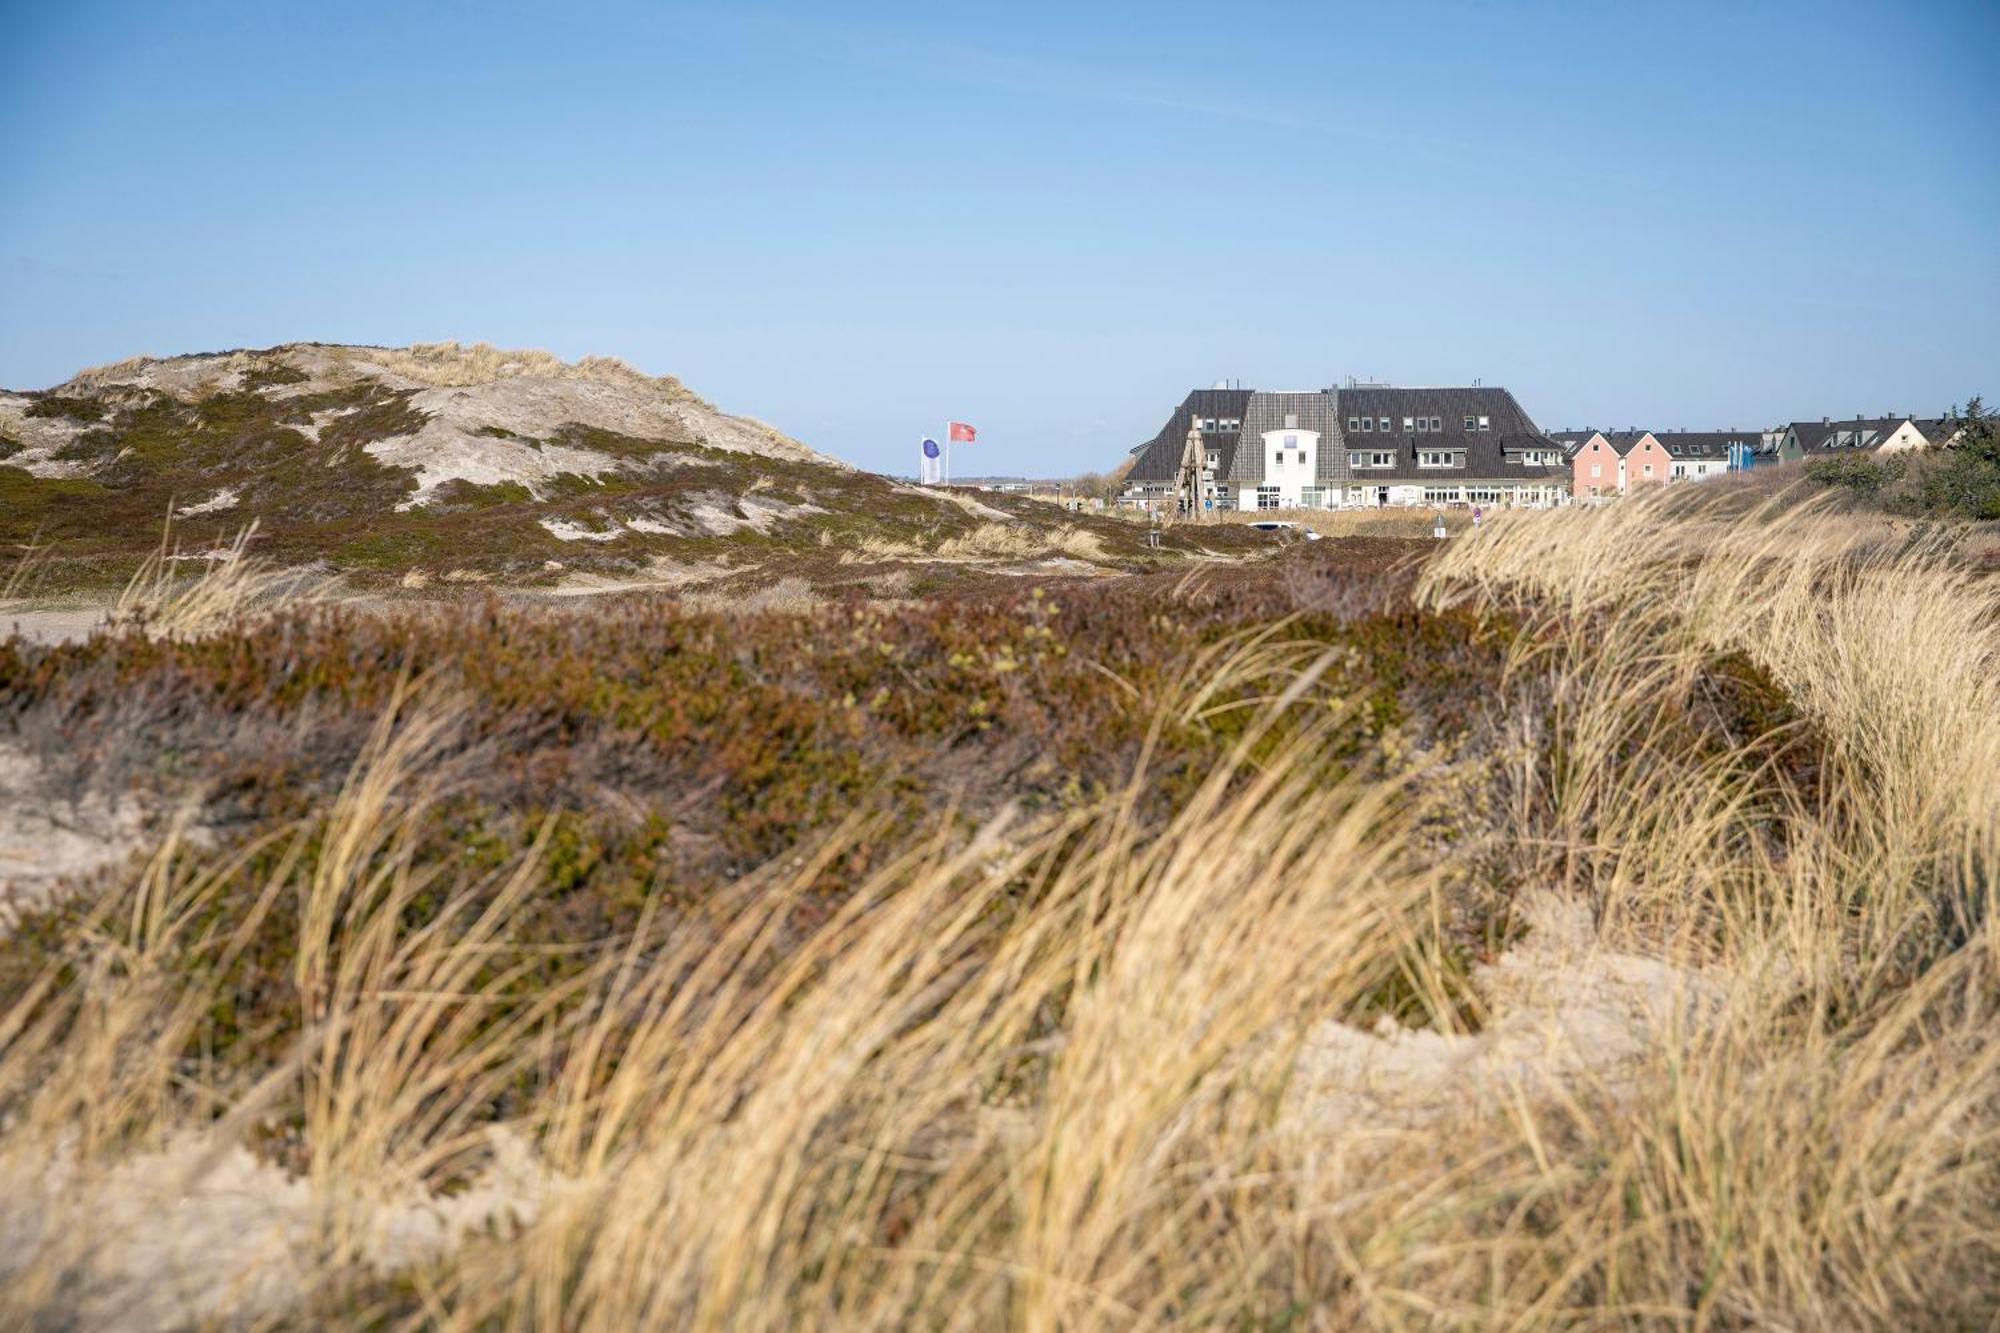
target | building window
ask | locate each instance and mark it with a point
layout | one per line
(1367, 425)
(1471, 422)
(1291, 441)
(1409, 424)
(1267, 497)
(1354, 424)
(1437, 458)
(1485, 423)
(1649, 469)
(1386, 427)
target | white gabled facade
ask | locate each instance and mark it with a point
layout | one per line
(1291, 461)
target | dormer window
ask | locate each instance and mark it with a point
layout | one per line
(1471, 423)
(1485, 423)
(1367, 425)
(1386, 426)
(1354, 425)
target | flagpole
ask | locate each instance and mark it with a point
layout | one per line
(947, 455)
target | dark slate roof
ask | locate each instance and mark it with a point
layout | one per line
(1159, 459)
(1569, 439)
(1490, 455)
(1622, 442)
(1821, 436)
(1939, 429)
(1707, 444)
(1312, 410)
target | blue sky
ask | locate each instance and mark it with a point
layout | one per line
(1049, 221)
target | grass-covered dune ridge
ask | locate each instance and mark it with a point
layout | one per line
(1098, 962)
(440, 462)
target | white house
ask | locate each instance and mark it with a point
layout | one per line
(1697, 454)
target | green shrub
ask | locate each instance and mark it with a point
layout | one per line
(1867, 474)
(1965, 481)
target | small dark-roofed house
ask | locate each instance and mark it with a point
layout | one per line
(1825, 437)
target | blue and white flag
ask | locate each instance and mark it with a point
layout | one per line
(929, 468)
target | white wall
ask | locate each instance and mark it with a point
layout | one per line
(1905, 436)
(1291, 461)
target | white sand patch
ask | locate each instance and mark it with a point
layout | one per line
(52, 624)
(40, 438)
(651, 526)
(226, 498)
(661, 575)
(1565, 1010)
(46, 840)
(717, 515)
(320, 420)
(198, 1234)
(565, 531)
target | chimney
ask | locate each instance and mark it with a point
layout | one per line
(1826, 421)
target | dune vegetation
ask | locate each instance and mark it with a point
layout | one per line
(1586, 922)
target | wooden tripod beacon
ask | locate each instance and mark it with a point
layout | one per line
(1194, 460)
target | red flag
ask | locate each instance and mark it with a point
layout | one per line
(960, 431)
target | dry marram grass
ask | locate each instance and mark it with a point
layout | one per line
(229, 586)
(1046, 1076)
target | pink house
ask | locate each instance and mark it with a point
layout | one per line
(1604, 465)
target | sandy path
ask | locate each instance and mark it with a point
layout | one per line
(61, 624)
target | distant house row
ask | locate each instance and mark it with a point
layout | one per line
(1805, 439)
(1375, 445)
(1612, 462)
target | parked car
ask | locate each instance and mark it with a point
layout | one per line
(1279, 525)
